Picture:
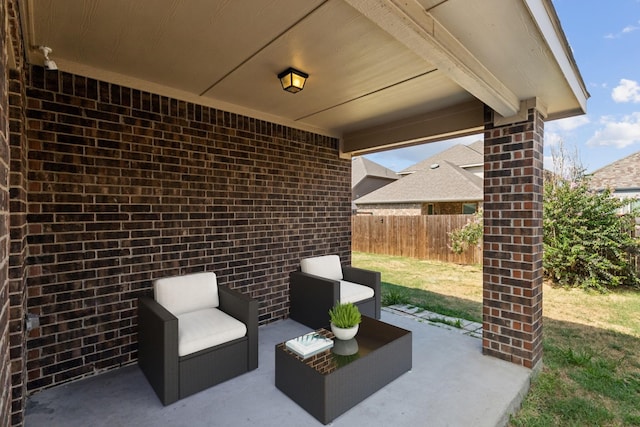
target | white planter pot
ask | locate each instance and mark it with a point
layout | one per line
(344, 334)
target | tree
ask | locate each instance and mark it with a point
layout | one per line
(586, 242)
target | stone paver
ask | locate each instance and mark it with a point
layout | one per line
(466, 327)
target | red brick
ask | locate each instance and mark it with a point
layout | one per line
(146, 193)
(513, 239)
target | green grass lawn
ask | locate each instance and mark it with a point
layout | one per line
(591, 373)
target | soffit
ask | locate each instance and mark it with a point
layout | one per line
(522, 54)
(373, 64)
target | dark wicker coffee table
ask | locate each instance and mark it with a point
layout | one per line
(327, 385)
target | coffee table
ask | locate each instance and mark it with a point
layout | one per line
(328, 384)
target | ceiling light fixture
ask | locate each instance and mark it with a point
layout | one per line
(293, 80)
(49, 64)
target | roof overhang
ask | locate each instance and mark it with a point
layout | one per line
(383, 73)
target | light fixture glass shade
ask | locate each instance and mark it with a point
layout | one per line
(292, 80)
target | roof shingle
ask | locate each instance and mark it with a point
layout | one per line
(622, 174)
(361, 168)
(447, 182)
(458, 155)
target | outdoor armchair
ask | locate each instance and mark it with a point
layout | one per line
(323, 281)
(195, 334)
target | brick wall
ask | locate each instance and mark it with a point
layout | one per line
(448, 208)
(18, 221)
(5, 364)
(439, 208)
(126, 186)
(390, 209)
(512, 271)
(18, 248)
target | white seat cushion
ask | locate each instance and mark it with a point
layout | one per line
(190, 292)
(353, 292)
(206, 328)
(327, 266)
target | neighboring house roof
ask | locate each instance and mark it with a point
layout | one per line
(477, 146)
(445, 183)
(368, 176)
(458, 155)
(619, 175)
(362, 168)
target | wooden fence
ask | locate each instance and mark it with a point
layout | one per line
(419, 236)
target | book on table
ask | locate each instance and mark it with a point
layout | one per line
(309, 344)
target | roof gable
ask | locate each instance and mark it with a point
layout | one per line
(362, 168)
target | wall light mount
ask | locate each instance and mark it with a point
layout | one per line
(32, 321)
(293, 80)
(49, 64)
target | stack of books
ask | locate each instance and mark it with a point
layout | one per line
(309, 344)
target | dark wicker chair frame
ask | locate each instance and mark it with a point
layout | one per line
(311, 296)
(173, 377)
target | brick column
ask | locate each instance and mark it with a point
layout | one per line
(17, 216)
(512, 259)
(5, 311)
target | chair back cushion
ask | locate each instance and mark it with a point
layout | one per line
(327, 266)
(182, 294)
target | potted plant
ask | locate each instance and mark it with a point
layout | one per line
(345, 319)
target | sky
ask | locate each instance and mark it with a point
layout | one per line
(605, 39)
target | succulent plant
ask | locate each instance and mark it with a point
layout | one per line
(345, 315)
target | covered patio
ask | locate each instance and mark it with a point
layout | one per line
(159, 142)
(451, 384)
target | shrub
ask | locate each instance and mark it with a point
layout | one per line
(586, 243)
(469, 235)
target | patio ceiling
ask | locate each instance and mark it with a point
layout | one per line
(383, 73)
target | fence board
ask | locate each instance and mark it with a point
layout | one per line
(418, 236)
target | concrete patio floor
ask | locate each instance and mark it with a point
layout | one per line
(451, 384)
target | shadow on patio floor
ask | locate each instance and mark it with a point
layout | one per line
(451, 384)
